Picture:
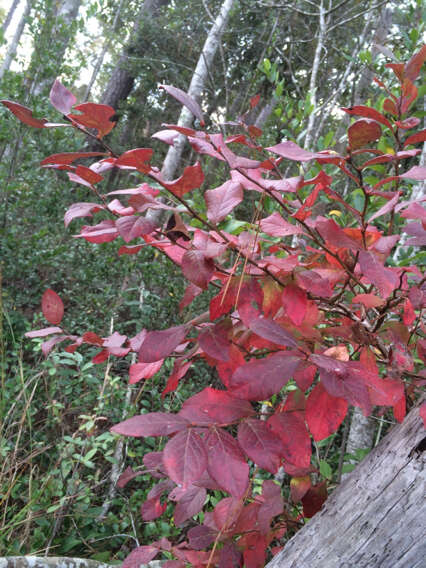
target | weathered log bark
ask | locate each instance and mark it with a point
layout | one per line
(377, 517)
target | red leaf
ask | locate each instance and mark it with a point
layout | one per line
(272, 331)
(409, 314)
(185, 457)
(61, 98)
(153, 462)
(179, 371)
(226, 369)
(43, 332)
(373, 270)
(136, 158)
(25, 114)
(95, 116)
(211, 406)
(261, 445)
(103, 232)
(185, 100)
(295, 302)
(152, 508)
(201, 536)
(140, 371)
(417, 173)
(259, 379)
(415, 138)
(362, 132)
(222, 200)
(314, 283)
(334, 235)
(299, 486)
(160, 344)
(368, 300)
(81, 210)
(226, 463)
(254, 101)
(387, 208)
(47, 346)
(384, 392)
(132, 226)
(140, 555)
(191, 292)
(292, 151)
(191, 178)
(85, 176)
(413, 66)
(276, 226)
(127, 475)
(324, 413)
(68, 157)
(229, 556)
(214, 342)
(52, 307)
(345, 379)
(290, 427)
(250, 299)
(272, 505)
(254, 550)
(368, 112)
(129, 250)
(190, 503)
(197, 268)
(400, 409)
(314, 499)
(304, 375)
(151, 424)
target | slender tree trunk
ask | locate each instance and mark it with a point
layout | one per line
(377, 516)
(198, 81)
(266, 112)
(122, 78)
(103, 52)
(11, 51)
(322, 33)
(9, 16)
(48, 58)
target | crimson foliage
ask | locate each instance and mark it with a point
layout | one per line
(299, 298)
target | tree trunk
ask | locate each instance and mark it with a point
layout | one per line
(377, 516)
(11, 51)
(9, 16)
(196, 87)
(322, 34)
(122, 79)
(54, 42)
(101, 56)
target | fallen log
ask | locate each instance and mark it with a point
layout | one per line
(377, 516)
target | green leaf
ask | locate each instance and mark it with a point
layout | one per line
(325, 470)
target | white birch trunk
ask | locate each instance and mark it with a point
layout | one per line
(377, 516)
(13, 46)
(198, 81)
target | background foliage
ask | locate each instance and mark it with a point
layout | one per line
(56, 448)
